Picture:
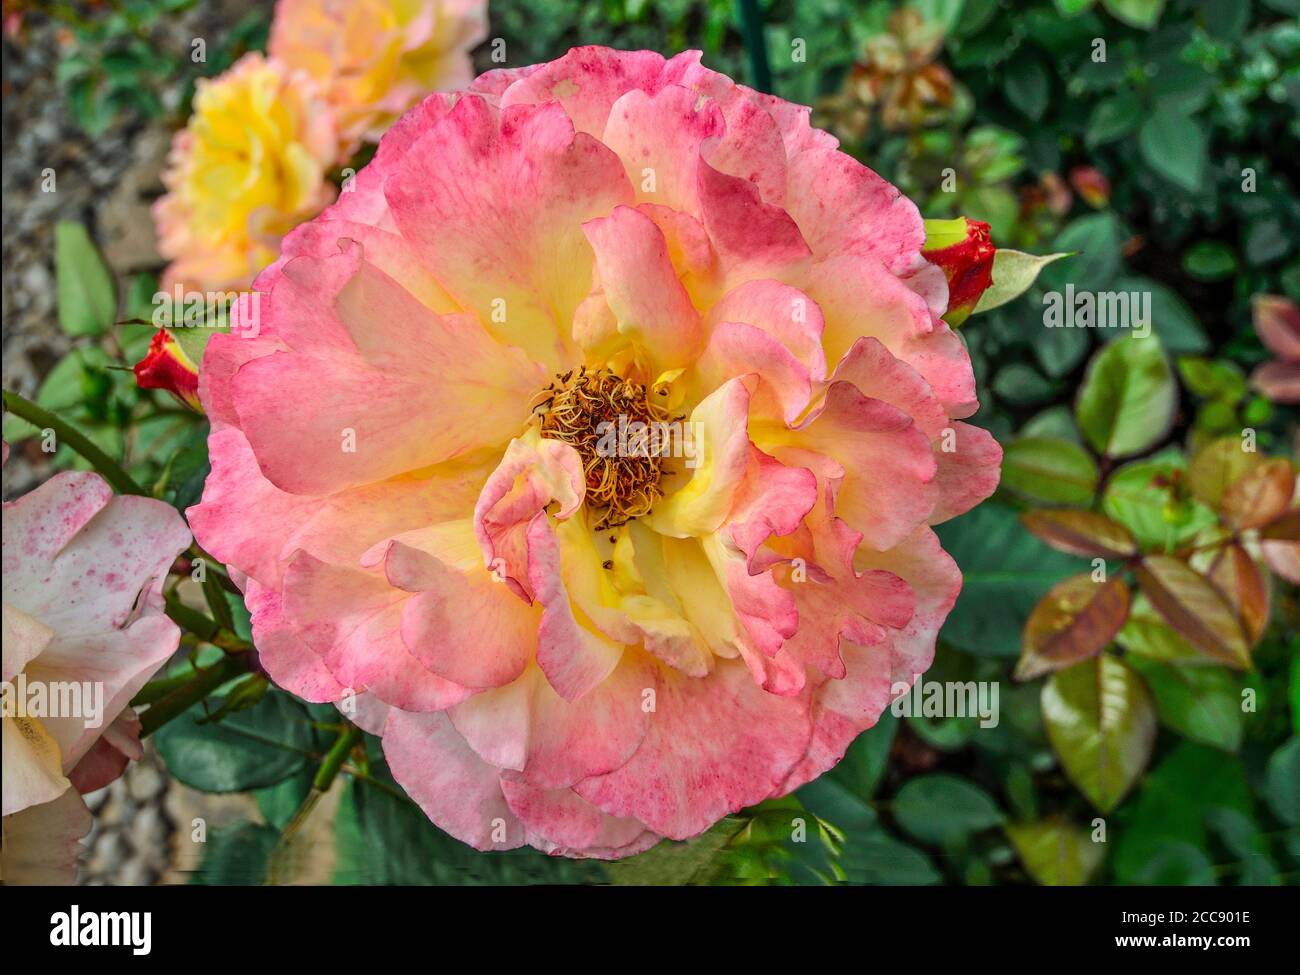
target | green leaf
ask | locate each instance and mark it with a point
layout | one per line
(870, 855)
(1061, 349)
(138, 302)
(1101, 722)
(242, 619)
(1202, 704)
(945, 12)
(1095, 241)
(91, 108)
(948, 733)
(382, 838)
(1170, 864)
(194, 340)
(1141, 496)
(1013, 273)
(16, 429)
(1113, 118)
(86, 294)
(863, 765)
(1217, 465)
(1050, 470)
(248, 749)
(1173, 322)
(1180, 87)
(241, 695)
(134, 340)
(1283, 783)
(674, 863)
(943, 809)
(1027, 85)
(1056, 422)
(1147, 635)
(993, 155)
(1020, 384)
(1022, 795)
(1005, 572)
(1293, 694)
(1209, 260)
(1265, 242)
(784, 841)
(1055, 852)
(236, 856)
(1171, 806)
(879, 860)
(279, 802)
(1127, 401)
(1143, 14)
(1242, 837)
(830, 799)
(997, 206)
(181, 482)
(1175, 145)
(72, 381)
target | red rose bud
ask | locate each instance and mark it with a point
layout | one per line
(166, 366)
(964, 250)
(1092, 185)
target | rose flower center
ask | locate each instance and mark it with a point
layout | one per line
(620, 434)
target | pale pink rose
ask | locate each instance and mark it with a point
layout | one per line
(249, 166)
(395, 472)
(84, 629)
(374, 59)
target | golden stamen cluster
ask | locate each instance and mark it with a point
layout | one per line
(614, 426)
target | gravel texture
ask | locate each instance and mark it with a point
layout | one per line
(107, 183)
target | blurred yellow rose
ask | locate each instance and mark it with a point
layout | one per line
(247, 169)
(374, 59)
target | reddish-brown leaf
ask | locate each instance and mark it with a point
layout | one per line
(1194, 609)
(1235, 574)
(1286, 528)
(1260, 495)
(1081, 532)
(1074, 621)
(1277, 322)
(1217, 465)
(1279, 543)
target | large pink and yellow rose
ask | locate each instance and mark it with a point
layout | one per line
(249, 166)
(84, 629)
(374, 59)
(561, 646)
